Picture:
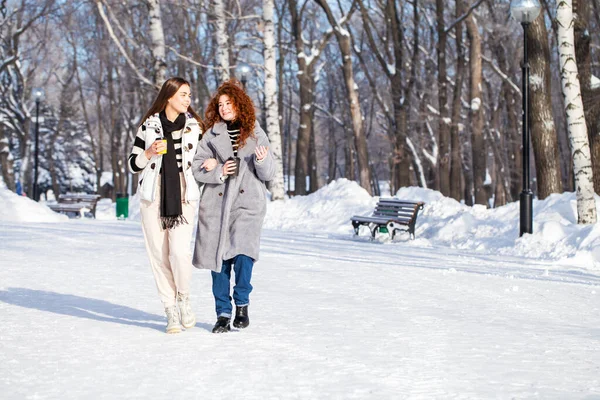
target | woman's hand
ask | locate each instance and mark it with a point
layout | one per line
(229, 167)
(158, 147)
(209, 164)
(261, 152)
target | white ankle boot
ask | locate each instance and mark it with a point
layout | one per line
(173, 325)
(188, 319)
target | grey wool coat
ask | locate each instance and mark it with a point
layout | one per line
(231, 213)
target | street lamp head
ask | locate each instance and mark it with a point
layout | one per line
(243, 70)
(38, 94)
(525, 11)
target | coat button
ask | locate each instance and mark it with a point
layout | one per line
(242, 191)
(221, 194)
(153, 165)
(190, 146)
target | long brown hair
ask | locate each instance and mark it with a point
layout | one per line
(242, 105)
(168, 90)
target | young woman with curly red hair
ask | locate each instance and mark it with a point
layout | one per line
(233, 203)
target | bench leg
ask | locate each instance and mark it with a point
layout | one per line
(373, 231)
(356, 227)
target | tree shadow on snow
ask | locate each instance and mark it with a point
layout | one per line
(81, 307)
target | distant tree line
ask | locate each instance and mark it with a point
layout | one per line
(420, 92)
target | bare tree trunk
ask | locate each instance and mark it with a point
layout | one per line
(582, 163)
(591, 96)
(157, 38)
(304, 161)
(272, 109)
(455, 145)
(476, 112)
(401, 156)
(443, 181)
(350, 158)
(312, 150)
(331, 154)
(543, 131)
(6, 161)
(222, 37)
(360, 142)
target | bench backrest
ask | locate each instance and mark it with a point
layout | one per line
(404, 210)
(75, 198)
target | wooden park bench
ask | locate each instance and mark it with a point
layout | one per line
(76, 204)
(390, 215)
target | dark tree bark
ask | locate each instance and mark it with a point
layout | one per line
(543, 130)
(443, 181)
(456, 168)
(476, 112)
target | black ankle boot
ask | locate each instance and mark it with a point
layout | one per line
(222, 325)
(241, 319)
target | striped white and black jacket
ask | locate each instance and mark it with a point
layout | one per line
(186, 144)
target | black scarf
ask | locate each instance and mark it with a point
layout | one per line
(171, 214)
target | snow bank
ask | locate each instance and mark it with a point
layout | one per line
(17, 208)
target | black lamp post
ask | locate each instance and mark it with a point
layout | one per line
(38, 95)
(525, 12)
(244, 69)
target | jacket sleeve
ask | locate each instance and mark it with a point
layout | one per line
(204, 153)
(266, 168)
(137, 160)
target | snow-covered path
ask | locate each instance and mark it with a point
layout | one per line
(331, 318)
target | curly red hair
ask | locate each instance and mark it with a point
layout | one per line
(242, 104)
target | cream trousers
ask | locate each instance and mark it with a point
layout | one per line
(169, 250)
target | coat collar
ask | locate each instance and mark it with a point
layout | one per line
(153, 121)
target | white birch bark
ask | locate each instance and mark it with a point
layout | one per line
(157, 39)
(580, 148)
(272, 128)
(222, 39)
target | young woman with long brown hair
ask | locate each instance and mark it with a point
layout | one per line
(162, 154)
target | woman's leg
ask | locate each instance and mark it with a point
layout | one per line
(180, 254)
(243, 274)
(221, 290)
(158, 250)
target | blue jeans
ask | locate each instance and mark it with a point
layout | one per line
(242, 267)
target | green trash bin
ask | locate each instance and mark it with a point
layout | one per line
(122, 205)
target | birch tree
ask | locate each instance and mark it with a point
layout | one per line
(157, 39)
(573, 104)
(271, 99)
(222, 39)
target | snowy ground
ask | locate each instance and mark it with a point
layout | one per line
(466, 311)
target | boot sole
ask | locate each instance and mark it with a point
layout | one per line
(174, 330)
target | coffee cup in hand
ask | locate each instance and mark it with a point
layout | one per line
(236, 161)
(165, 149)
